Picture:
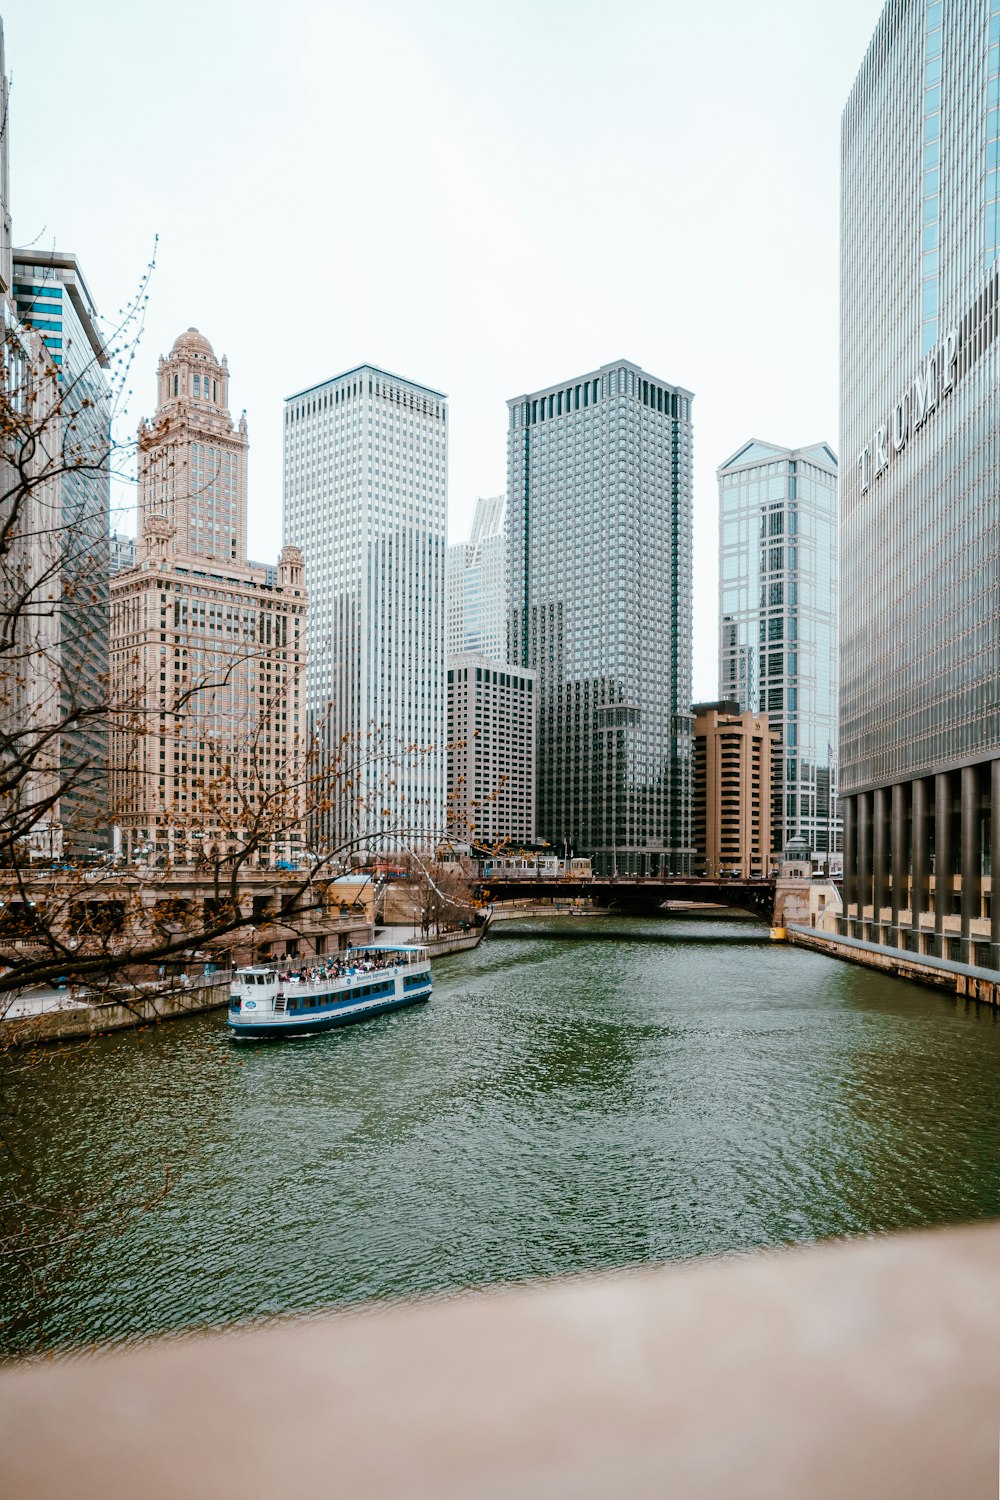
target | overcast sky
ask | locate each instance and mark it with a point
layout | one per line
(486, 197)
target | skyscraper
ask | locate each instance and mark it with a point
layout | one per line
(52, 298)
(920, 499)
(208, 658)
(123, 552)
(6, 236)
(599, 578)
(778, 623)
(30, 515)
(365, 464)
(491, 751)
(476, 616)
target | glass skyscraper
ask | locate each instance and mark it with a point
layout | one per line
(477, 584)
(53, 299)
(920, 506)
(366, 485)
(599, 577)
(778, 623)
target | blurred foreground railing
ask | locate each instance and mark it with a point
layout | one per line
(867, 1369)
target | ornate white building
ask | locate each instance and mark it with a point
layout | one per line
(208, 658)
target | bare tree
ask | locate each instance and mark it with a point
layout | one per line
(69, 909)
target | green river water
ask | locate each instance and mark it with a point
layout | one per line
(567, 1101)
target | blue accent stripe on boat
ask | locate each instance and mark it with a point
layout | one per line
(309, 1023)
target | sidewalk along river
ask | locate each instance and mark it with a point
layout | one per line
(560, 1106)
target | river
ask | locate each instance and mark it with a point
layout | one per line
(567, 1101)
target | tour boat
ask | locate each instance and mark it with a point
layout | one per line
(267, 1001)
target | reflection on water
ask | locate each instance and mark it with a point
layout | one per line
(559, 1105)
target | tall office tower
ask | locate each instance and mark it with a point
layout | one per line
(599, 578)
(366, 458)
(778, 623)
(920, 502)
(269, 570)
(476, 615)
(208, 659)
(6, 236)
(124, 552)
(491, 751)
(31, 681)
(733, 751)
(30, 516)
(52, 298)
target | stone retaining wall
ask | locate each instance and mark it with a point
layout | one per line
(94, 1020)
(453, 942)
(959, 979)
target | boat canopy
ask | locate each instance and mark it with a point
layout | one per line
(387, 948)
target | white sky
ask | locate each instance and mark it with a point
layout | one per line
(486, 197)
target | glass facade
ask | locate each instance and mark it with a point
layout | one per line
(52, 298)
(477, 584)
(599, 578)
(778, 624)
(920, 498)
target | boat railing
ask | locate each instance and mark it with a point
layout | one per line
(353, 971)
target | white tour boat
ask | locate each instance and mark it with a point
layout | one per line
(269, 1001)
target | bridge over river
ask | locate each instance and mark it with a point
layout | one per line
(637, 895)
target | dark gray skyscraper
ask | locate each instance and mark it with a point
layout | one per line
(599, 580)
(920, 502)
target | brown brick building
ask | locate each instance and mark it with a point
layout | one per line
(733, 760)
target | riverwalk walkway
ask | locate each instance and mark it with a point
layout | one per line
(58, 1016)
(42, 1002)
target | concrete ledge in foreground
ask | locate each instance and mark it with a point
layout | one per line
(867, 1369)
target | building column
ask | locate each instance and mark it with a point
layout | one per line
(942, 856)
(850, 819)
(995, 862)
(864, 855)
(880, 856)
(971, 858)
(900, 857)
(920, 885)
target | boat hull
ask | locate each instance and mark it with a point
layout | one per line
(313, 1024)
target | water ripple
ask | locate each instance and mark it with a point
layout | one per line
(558, 1106)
